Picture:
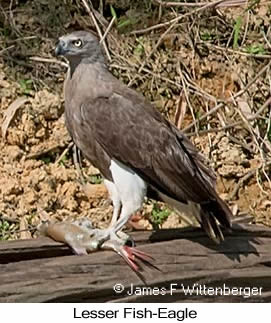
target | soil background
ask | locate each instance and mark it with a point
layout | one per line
(187, 60)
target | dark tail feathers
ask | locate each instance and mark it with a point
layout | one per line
(214, 215)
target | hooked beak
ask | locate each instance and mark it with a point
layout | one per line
(61, 48)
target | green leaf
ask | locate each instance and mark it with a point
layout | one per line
(96, 179)
(256, 49)
(26, 86)
(206, 36)
(139, 50)
(236, 31)
(159, 215)
(46, 159)
(124, 23)
(113, 12)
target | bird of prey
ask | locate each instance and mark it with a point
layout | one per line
(138, 152)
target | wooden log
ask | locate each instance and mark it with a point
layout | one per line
(42, 270)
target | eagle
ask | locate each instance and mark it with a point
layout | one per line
(138, 152)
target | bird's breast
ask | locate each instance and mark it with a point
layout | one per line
(83, 137)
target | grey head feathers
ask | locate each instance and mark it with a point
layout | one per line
(80, 47)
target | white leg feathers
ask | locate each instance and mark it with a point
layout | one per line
(131, 191)
(114, 195)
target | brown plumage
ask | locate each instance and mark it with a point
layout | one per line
(108, 121)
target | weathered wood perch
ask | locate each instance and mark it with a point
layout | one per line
(45, 271)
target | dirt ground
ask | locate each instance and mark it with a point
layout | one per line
(214, 57)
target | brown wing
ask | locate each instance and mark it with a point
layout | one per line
(134, 133)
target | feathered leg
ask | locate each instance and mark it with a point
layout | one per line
(128, 192)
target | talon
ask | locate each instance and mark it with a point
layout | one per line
(130, 255)
(135, 254)
(141, 255)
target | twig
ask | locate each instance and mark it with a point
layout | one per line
(6, 49)
(9, 219)
(108, 29)
(185, 92)
(175, 20)
(10, 113)
(64, 152)
(259, 111)
(47, 60)
(154, 49)
(240, 143)
(244, 179)
(195, 89)
(40, 153)
(266, 39)
(29, 229)
(208, 135)
(186, 219)
(220, 105)
(191, 85)
(224, 3)
(203, 132)
(246, 28)
(78, 165)
(18, 39)
(11, 18)
(231, 125)
(17, 61)
(236, 51)
(97, 28)
(148, 72)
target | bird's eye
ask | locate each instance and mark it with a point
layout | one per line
(77, 43)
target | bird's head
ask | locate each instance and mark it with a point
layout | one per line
(79, 45)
